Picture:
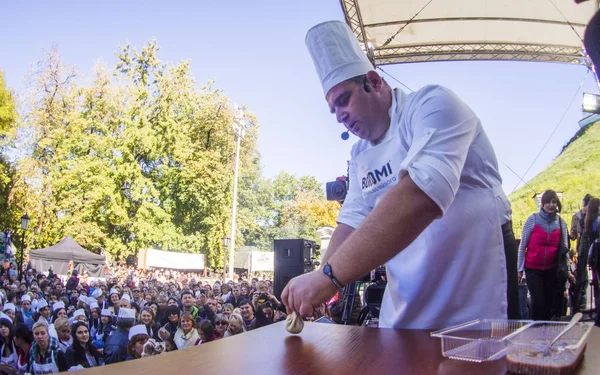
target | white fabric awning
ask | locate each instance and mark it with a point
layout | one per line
(442, 30)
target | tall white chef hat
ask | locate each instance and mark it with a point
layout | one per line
(336, 53)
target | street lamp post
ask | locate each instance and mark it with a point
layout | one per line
(24, 226)
(240, 125)
(225, 242)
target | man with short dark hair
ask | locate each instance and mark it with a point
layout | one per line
(187, 301)
(138, 297)
(235, 298)
(578, 219)
(247, 312)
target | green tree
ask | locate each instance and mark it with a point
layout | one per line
(8, 120)
(286, 207)
(8, 110)
(143, 159)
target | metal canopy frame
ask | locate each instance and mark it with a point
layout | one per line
(409, 31)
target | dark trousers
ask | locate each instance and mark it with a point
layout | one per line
(523, 308)
(510, 252)
(546, 293)
(591, 40)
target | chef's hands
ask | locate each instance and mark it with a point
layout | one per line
(307, 292)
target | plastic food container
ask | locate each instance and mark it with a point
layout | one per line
(526, 346)
(479, 340)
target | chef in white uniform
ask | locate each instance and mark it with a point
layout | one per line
(425, 198)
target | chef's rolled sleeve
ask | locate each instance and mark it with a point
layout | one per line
(355, 209)
(443, 129)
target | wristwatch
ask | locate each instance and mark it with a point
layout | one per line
(329, 272)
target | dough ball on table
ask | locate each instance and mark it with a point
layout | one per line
(294, 323)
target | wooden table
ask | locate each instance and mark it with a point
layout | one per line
(323, 349)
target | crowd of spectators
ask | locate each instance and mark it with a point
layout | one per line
(49, 324)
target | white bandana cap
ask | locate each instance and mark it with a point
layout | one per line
(140, 329)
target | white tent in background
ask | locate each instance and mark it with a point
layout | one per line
(424, 30)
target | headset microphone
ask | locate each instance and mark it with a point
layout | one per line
(345, 135)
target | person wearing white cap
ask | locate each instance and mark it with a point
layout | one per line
(115, 349)
(94, 322)
(114, 299)
(425, 198)
(9, 309)
(83, 302)
(43, 311)
(105, 328)
(25, 313)
(58, 311)
(97, 294)
(79, 315)
(125, 302)
(137, 338)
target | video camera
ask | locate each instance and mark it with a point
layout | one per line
(153, 347)
(337, 190)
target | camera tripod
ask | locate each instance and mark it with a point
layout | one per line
(350, 292)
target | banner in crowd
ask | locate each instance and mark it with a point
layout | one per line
(261, 261)
(169, 259)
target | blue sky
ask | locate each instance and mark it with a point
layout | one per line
(255, 50)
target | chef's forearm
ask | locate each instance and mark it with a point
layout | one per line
(398, 219)
(340, 234)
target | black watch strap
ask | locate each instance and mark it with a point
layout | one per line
(327, 270)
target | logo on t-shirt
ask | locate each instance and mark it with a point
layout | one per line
(375, 176)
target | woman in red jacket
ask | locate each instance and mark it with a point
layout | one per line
(543, 234)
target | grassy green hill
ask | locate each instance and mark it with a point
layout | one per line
(575, 172)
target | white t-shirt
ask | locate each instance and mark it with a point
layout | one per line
(442, 152)
(442, 277)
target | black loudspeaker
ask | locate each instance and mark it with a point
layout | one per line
(292, 258)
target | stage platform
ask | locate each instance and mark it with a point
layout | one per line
(323, 349)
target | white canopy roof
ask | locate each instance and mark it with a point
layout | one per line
(442, 30)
